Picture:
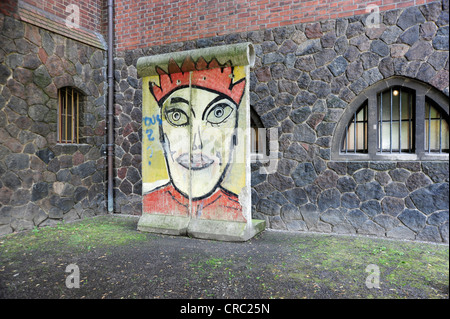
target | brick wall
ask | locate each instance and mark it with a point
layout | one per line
(93, 13)
(142, 23)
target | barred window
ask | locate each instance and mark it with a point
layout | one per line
(69, 115)
(355, 138)
(436, 129)
(396, 119)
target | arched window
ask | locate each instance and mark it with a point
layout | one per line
(69, 115)
(258, 140)
(355, 135)
(397, 119)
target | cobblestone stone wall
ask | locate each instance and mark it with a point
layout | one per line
(304, 78)
(43, 182)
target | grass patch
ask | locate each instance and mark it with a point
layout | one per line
(84, 235)
(339, 263)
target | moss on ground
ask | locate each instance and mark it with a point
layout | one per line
(117, 261)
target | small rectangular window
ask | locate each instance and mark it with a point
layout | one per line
(68, 116)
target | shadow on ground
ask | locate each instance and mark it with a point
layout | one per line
(116, 261)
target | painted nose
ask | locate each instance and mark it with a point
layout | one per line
(197, 143)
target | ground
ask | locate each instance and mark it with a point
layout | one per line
(117, 261)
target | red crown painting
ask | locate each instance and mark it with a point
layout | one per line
(209, 76)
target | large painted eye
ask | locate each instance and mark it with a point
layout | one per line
(219, 113)
(177, 117)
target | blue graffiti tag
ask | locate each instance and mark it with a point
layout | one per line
(149, 121)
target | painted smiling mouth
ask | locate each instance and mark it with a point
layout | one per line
(195, 161)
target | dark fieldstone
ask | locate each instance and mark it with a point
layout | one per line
(273, 57)
(296, 152)
(358, 85)
(410, 36)
(296, 196)
(396, 189)
(320, 88)
(290, 212)
(352, 53)
(333, 217)
(431, 198)
(411, 166)
(4, 73)
(419, 51)
(264, 105)
(383, 178)
(346, 184)
(372, 76)
(417, 180)
(356, 218)
(383, 166)
(328, 40)
(369, 60)
(364, 175)
(313, 31)
(80, 193)
(393, 205)
(85, 169)
(437, 171)
(352, 167)
(412, 218)
(309, 47)
(41, 77)
(371, 190)
(268, 207)
(288, 46)
(371, 208)
(355, 29)
(39, 191)
(426, 72)
(429, 233)
(386, 67)
(304, 174)
(399, 175)
(329, 198)
(391, 34)
(350, 200)
(438, 218)
(325, 56)
(327, 180)
(304, 133)
(338, 66)
(335, 102)
(17, 162)
(409, 17)
(280, 182)
(325, 129)
(300, 115)
(11, 180)
(386, 221)
(380, 48)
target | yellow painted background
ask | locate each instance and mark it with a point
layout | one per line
(155, 174)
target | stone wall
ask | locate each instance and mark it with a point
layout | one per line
(304, 78)
(43, 182)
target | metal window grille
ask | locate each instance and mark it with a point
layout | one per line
(436, 130)
(69, 116)
(355, 137)
(396, 121)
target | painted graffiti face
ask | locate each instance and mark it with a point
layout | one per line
(198, 138)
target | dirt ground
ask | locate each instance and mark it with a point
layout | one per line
(114, 261)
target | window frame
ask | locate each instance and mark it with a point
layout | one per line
(75, 115)
(370, 94)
